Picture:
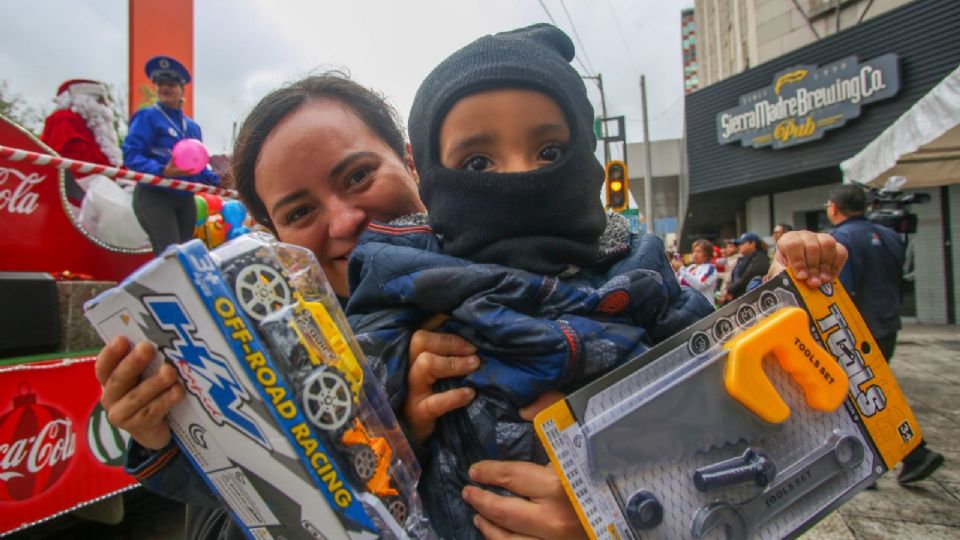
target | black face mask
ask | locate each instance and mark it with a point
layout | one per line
(541, 221)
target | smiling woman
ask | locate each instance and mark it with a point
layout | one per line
(317, 160)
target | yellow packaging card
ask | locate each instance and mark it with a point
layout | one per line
(874, 392)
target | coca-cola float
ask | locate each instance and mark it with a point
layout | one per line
(57, 451)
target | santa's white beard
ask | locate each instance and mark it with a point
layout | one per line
(99, 119)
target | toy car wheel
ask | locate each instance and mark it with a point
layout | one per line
(261, 290)
(364, 461)
(327, 401)
(397, 508)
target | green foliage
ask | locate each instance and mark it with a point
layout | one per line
(14, 107)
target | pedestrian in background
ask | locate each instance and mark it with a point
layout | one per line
(168, 215)
(779, 230)
(872, 277)
(701, 274)
(753, 262)
(725, 265)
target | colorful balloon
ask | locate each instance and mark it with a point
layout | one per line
(201, 209)
(233, 212)
(216, 231)
(214, 203)
(190, 155)
(236, 231)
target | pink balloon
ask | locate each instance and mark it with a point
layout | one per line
(190, 155)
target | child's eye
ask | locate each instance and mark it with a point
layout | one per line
(550, 153)
(477, 163)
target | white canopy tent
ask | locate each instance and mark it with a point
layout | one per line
(923, 145)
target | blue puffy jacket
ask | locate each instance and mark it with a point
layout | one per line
(873, 273)
(533, 333)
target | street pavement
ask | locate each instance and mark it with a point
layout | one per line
(927, 366)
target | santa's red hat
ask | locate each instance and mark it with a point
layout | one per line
(83, 87)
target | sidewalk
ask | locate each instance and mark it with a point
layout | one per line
(927, 366)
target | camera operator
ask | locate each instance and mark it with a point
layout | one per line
(872, 277)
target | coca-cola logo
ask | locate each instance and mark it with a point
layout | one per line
(55, 443)
(37, 443)
(16, 196)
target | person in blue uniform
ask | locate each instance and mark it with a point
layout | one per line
(873, 277)
(167, 215)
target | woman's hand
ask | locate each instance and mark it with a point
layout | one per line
(435, 356)
(137, 406)
(816, 258)
(543, 512)
(172, 171)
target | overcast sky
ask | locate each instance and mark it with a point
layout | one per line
(245, 48)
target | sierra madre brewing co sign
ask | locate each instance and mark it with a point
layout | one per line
(805, 101)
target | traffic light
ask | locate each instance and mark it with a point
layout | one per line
(617, 184)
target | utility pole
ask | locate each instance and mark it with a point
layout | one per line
(603, 112)
(648, 168)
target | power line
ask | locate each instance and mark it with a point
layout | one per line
(544, 6)
(668, 109)
(576, 36)
(660, 114)
(623, 39)
(576, 57)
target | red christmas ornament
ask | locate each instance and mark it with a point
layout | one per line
(36, 445)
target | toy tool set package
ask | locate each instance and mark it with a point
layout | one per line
(755, 422)
(282, 418)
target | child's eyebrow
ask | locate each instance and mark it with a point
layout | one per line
(549, 129)
(478, 139)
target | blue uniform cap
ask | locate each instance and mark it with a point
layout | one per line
(166, 68)
(747, 237)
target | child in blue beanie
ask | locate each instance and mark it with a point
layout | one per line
(516, 253)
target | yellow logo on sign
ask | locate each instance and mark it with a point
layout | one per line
(788, 78)
(791, 129)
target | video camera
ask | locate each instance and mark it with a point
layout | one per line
(889, 206)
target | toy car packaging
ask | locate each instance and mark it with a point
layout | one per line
(281, 419)
(755, 422)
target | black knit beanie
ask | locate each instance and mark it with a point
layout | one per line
(542, 220)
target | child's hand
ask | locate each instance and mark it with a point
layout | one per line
(134, 405)
(433, 357)
(816, 258)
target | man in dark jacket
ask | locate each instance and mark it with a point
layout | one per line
(872, 278)
(753, 263)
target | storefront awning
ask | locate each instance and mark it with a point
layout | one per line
(923, 145)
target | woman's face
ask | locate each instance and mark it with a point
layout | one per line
(323, 175)
(699, 255)
(169, 94)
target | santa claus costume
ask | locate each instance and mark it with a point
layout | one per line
(82, 128)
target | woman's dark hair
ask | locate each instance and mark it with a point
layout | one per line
(371, 107)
